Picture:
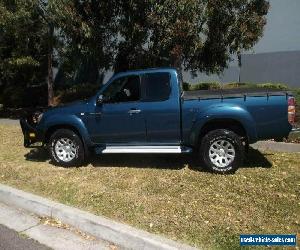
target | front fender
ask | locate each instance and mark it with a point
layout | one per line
(71, 120)
(226, 112)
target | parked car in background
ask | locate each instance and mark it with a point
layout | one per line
(147, 111)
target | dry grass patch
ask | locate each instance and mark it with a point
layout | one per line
(164, 194)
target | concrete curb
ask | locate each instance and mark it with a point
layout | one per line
(103, 228)
(277, 146)
(7, 121)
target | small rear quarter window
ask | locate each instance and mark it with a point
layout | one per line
(156, 86)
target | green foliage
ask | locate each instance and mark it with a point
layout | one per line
(185, 86)
(238, 85)
(200, 35)
(87, 34)
(216, 85)
(278, 86)
(23, 39)
(13, 96)
(92, 36)
(206, 86)
(22, 96)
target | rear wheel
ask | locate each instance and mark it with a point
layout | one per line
(66, 148)
(222, 151)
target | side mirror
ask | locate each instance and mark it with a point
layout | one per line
(100, 99)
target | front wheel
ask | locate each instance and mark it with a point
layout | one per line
(222, 151)
(66, 148)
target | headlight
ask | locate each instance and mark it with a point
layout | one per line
(37, 117)
(40, 117)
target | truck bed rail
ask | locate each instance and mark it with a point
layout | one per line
(232, 93)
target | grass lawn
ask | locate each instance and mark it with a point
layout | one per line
(165, 194)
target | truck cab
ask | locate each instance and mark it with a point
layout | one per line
(137, 108)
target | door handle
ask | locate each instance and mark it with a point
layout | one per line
(134, 111)
(97, 113)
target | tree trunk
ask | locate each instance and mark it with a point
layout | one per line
(50, 67)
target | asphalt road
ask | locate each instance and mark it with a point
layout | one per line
(11, 240)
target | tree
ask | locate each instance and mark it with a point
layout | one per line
(27, 42)
(43, 10)
(92, 36)
(132, 27)
(23, 45)
(87, 31)
(200, 35)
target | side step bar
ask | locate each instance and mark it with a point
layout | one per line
(143, 150)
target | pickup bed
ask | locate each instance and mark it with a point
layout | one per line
(147, 111)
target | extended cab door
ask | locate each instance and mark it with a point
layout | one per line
(161, 107)
(119, 119)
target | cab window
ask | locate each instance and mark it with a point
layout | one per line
(156, 86)
(123, 89)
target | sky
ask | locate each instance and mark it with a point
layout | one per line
(282, 32)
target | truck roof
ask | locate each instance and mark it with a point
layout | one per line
(142, 71)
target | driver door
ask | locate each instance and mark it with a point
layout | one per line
(119, 119)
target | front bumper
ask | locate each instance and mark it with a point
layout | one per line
(31, 134)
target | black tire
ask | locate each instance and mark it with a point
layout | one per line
(78, 150)
(208, 144)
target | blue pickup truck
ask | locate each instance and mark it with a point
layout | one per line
(147, 111)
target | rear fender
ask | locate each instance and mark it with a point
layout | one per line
(225, 112)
